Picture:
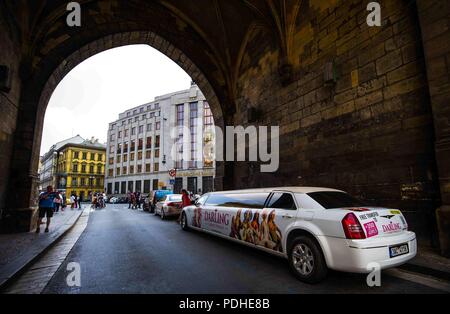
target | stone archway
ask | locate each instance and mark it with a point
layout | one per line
(23, 198)
(376, 125)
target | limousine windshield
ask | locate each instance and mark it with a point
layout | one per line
(329, 199)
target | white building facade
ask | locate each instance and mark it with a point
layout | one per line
(160, 145)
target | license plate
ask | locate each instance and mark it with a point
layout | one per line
(398, 250)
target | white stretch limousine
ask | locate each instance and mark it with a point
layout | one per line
(315, 228)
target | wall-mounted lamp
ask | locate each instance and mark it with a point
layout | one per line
(5, 78)
(330, 73)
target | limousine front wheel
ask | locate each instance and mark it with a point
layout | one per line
(306, 260)
(183, 221)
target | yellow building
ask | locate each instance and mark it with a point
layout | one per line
(80, 169)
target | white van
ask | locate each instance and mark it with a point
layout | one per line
(315, 228)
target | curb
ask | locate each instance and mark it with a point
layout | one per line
(7, 282)
(426, 271)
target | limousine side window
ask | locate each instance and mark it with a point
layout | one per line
(282, 201)
(201, 200)
(243, 200)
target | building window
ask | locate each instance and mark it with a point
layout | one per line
(140, 155)
(179, 141)
(133, 146)
(91, 169)
(149, 142)
(125, 158)
(125, 148)
(141, 129)
(131, 169)
(208, 116)
(126, 133)
(208, 123)
(148, 154)
(119, 148)
(149, 127)
(110, 173)
(120, 135)
(148, 168)
(158, 126)
(133, 131)
(156, 167)
(99, 157)
(157, 141)
(140, 144)
(74, 182)
(85, 156)
(82, 182)
(75, 168)
(76, 155)
(132, 156)
(83, 168)
(124, 171)
(139, 169)
(118, 172)
(93, 156)
(193, 116)
(111, 161)
(136, 119)
(156, 153)
(118, 159)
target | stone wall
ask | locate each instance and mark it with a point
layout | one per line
(9, 56)
(435, 27)
(370, 133)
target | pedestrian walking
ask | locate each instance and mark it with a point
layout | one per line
(78, 200)
(72, 202)
(138, 200)
(46, 207)
(185, 201)
(57, 202)
(130, 199)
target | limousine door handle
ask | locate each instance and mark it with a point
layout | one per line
(287, 216)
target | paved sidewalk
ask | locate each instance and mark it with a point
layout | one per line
(429, 262)
(19, 250)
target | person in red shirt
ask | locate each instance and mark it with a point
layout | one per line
(185, 201)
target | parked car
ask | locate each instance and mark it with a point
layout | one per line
(170, 205)
(316, 229)
(122, 200)
(113, 200)
(157, 196)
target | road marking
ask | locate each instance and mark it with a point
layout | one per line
(39, 274)
(428, 281)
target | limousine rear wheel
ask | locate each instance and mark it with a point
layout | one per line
(306, 260)
(183, 221)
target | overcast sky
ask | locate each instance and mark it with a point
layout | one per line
(94, 93)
